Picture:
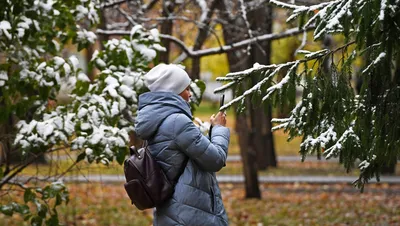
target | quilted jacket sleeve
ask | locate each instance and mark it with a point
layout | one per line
(209, 155)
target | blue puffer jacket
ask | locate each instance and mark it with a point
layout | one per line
(165, 120)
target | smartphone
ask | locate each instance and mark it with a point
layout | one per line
(222, 100)
(221, 103)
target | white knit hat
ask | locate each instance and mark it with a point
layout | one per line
(167, 78)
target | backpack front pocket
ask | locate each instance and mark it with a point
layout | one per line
(137, 193)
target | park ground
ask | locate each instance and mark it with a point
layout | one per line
(106, 203)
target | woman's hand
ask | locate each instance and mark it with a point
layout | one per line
(219, 119)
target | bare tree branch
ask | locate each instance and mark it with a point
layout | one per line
(109, 4)
(17, 169)
(216, 50)
(252, 5)
(180, 58)
(202, 35)
(183, 18)
(127, 16)
(18, 184)
(6, 179)
(149, 6)
(118, 25)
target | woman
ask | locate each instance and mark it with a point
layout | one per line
(188, 158)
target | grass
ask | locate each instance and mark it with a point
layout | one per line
(290, 204)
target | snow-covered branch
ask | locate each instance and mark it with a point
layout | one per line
(203, 25)
(285, 123)
(216, 50)
(284, 5)
(285, 80)
(329, 135)
(205, 20)
(237, 77)
(246, 21)
(149, 5)
(375, 62)
(335, 149)
(204, 9)
(244, 43)
(251, 5)
(269, 74)
(127, 16)
(108, 4)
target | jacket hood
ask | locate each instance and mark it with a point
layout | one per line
(154, 107)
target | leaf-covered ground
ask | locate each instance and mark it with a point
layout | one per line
(285, 168)
(282, 204)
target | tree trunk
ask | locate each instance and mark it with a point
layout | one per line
(269, 140)
(98, 45)
(89, 54)
(166, 28)
(261, 22)
(236, 63)
(249, 157)
(6, 137)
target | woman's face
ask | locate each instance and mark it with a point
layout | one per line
(186, 94)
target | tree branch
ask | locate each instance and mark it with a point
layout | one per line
(127, 16)
(236, 77)
(202, 35)
(216, 50)
(8, 178)
(252, 5)
(19, 185)
(145, 7)
(109, 4)
(149, 6)
(200, 24)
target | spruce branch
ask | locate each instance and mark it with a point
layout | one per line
(335, 149)
(256, 87)
(279, 85)
(321, 8)
(257, 68)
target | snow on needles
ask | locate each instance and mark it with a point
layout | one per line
(382, 11)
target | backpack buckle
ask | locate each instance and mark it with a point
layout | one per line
(134, 151)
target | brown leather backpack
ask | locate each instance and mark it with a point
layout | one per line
(146, 183)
